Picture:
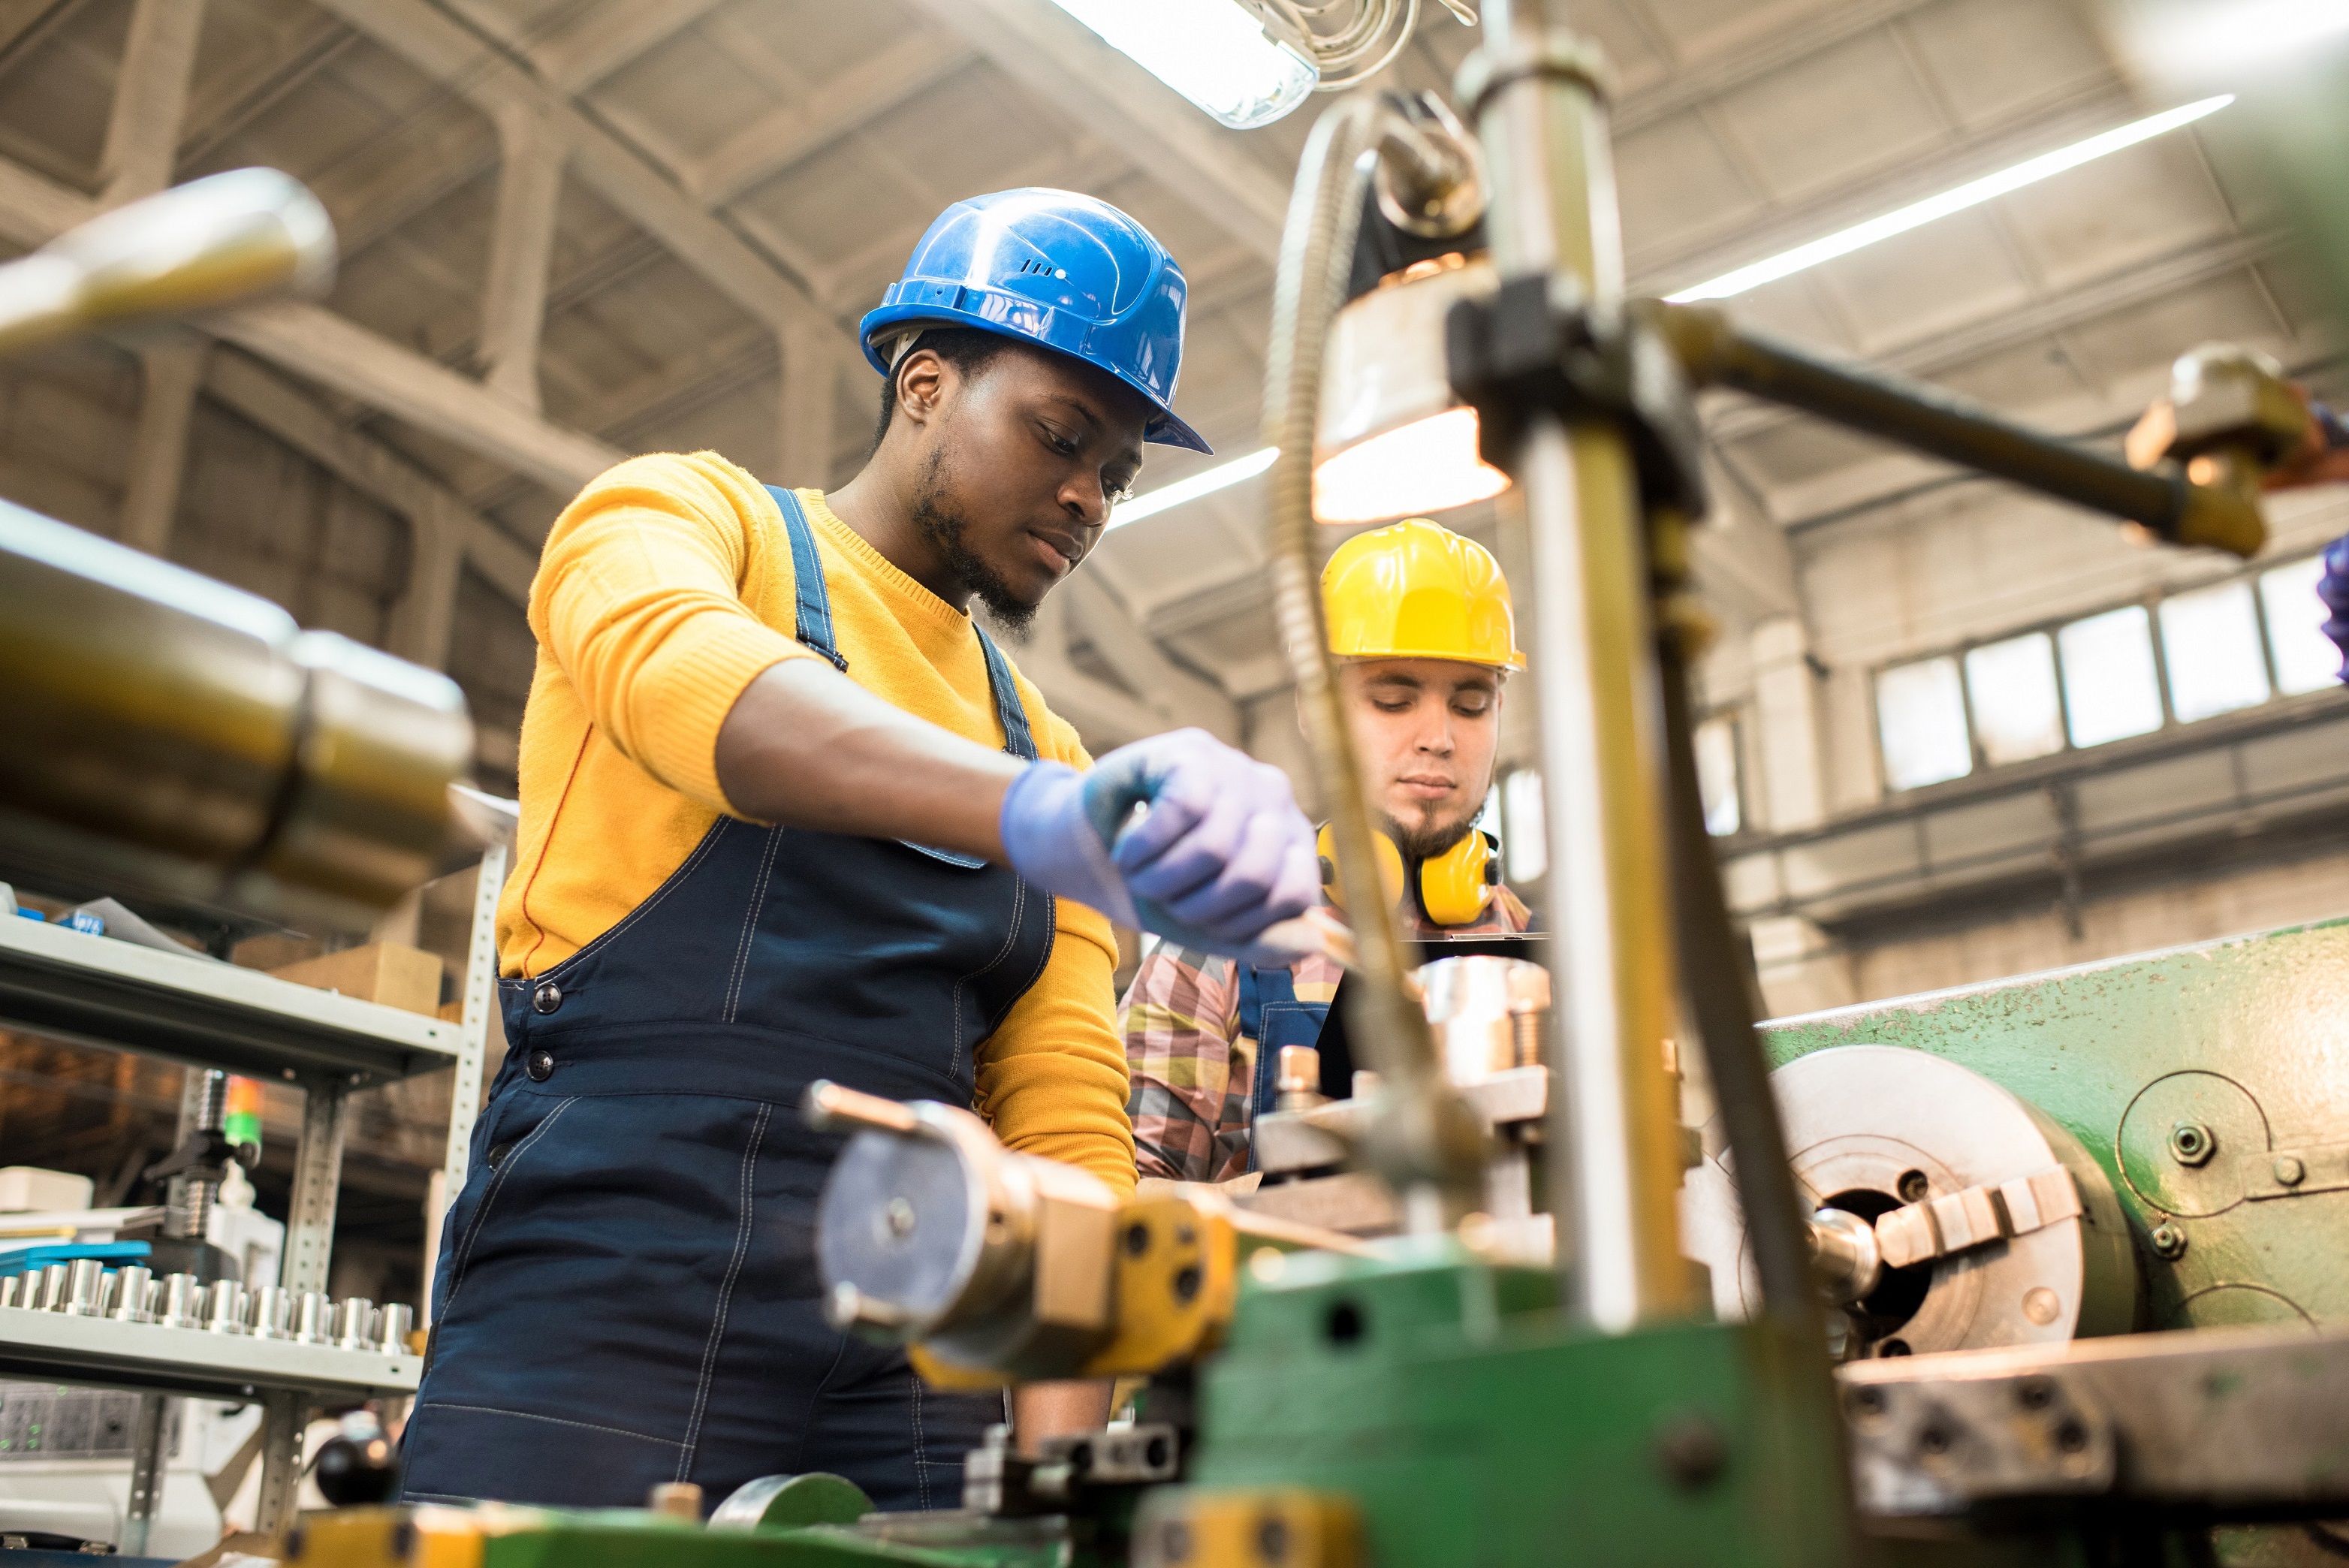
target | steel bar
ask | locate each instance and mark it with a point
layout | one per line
(283, 1414)
(317, 1172)
(146, 1472)
(480, 1000)
(1573, 513)
(1944, 425)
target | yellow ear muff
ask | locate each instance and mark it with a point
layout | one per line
(1325, 844)
(1455, 885)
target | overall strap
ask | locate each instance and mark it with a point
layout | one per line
(1017, 739)
(814, 627)
(1258, 987)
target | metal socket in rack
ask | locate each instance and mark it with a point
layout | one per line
(55, 1282)
(179, 1303)
(85, 1288)
(270, 1312)
(392, 1327)
(8, 1289)
(133, 1300)
(354, 1323)
(224, 1307)
(313, 1318)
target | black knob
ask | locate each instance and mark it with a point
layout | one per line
(541, 1066)
(352, 1472)
(546, 998)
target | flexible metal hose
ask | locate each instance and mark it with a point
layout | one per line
(1426, 1134)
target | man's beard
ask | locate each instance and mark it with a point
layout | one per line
(1430, 839)
(945, 530)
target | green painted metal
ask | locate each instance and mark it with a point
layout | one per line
(2188, 1074)
(632, 1538)
(1473, 1423)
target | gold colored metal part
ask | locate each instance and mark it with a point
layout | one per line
(1177, 1277)
(1274, 1527)
(428, 1537)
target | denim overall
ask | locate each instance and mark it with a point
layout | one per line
(626, 1291)
(1272, 1017)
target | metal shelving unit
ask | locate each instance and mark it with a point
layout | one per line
(206, 1014)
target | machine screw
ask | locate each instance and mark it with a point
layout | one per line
(899, 1217)
(2034, 1394)
(1174, 1541)
(2288, 1171)
(2191, 1144)
(2169, 1241)
(1914, 1187)
(1138, 1239)
(1272, 1539)
(1690, 1451)
(1186, 1284)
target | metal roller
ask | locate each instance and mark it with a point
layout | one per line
(224, 1307)
(313, 1318)
(269, 1312)
(134, 1289)
(354, 1323)
(394, 1321)
(175, 735)
(179, 1302)
(1951, 1215)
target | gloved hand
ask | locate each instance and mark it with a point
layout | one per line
(1221, 852)
(2333, 589)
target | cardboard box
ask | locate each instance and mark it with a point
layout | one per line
(381, 972)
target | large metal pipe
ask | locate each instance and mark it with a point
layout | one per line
(1716, 352)
(170, 736)
(1534, 94)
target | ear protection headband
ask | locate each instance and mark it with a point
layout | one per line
(1453, 888)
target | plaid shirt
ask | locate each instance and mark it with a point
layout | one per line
(1195, 1073)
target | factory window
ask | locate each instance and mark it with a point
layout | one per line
(2211, 646)
(1716, 775)
(2305, 658)
(2219, 649)
(2012, 693)
(2111, 690)
(1920, 719)
(1524, 835)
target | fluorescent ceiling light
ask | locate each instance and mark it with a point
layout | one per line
(2192, 40)
(1223, 476)
(1973, 193)
(1213, 52)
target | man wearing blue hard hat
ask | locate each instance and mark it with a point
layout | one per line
(788, 814)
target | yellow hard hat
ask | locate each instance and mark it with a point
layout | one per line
(1418, 590)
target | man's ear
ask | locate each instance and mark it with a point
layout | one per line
(922, 381)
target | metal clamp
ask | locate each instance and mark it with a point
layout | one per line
(1976, 1216)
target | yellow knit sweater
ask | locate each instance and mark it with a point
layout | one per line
(663, 588)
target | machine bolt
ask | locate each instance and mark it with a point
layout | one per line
(899, 1217)
(1690, 1451)
(2288, 1171)
(2191, 1144)
(1914, 1187)
(2169, 1241)
(1138, 1239)
(1186, 1284)
(1272, 1539)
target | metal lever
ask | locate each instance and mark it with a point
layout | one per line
(831, 1107)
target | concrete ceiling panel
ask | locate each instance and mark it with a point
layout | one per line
(2143, 339)
(1693, 29)
(2150, 201)
(1846, 112)
(992, 125)
(55, 99)
(1679, 184)
(694, 91)
(1992, 59)
(1792, 308)
(828, 205)
(2028, 375)
(817, 39)
(1946, 275)
(1799, 450)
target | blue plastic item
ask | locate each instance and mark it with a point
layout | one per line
(31, 914)
(41, 1257)
(88, 924)
(1056, 268)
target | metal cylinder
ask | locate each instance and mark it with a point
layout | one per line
(224, 1307)
(129, 1301)
(172, 734)
(269, 1312)
(1479, 1006)
(393, 1325)
(86, 1288)
(313, 1318)
(8, 1289)
(55, 1286)
(1574, 514)
(355, 1323)
(203, 1106)
(181, 1301)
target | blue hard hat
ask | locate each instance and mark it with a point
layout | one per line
(1056, 268)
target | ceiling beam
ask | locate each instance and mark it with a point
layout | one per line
(648, 194)
(1752, 59)
(522, 244)
(150, 99)
(1178, 696)
(857, 97)
(234, 99)
(1067, 66)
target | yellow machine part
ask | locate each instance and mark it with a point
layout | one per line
(427, 1537)
(1273, 1528)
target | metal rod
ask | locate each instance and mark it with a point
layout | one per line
(146, 1472)
(1422, 1136)
(1575, 516)
(282, 1421)
(1716, 352)
(317, 1172)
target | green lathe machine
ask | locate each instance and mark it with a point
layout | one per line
(2045, 1272)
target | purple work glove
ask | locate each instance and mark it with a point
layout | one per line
(1220, 854)
(2333, 589)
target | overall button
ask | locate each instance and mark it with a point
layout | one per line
(546, 998)
(497, 1151)
(541, 1066)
